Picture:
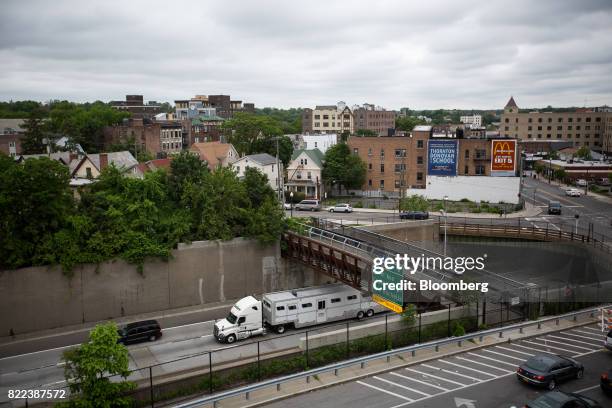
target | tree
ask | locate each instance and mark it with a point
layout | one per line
(285, 148)
(89, 368)
(257, 187)
(34, 133)
(366, 133)
(414, 203)
(343, 168)
(407, 123)
(185, 168)
(560, 174)
(584, 153)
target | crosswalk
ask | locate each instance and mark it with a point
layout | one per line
(410, 385)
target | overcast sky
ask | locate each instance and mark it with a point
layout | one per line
(420, 54)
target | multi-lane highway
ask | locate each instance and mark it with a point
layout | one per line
(483, 378)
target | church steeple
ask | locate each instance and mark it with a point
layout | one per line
(511, 106)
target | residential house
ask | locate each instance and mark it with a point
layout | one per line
(216, 154)
(11, 133)
(266, 164)
(91, 165)
(304, 172)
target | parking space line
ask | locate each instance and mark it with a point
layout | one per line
(567, 344)
(515, 351)
(420, 382)
(503, 355)
(435, 376)
(452, 372)
(597, 330)
(385, 391)
(552, 347)
(586, 389)
(492, 359)
(402, 386)
(467, 368)
(532, 348)
(591, 342)
(589, 335)
(484, 364)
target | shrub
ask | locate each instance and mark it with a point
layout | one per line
(458, 330)
(358, 204)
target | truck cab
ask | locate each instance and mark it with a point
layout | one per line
(243, 321)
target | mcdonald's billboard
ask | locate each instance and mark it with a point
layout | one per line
(503, 157)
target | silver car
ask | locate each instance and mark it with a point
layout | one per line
(308, 205)
(346, 208)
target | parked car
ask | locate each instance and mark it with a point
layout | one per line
(414, 215)
(603, 181)
(547, 370)
(341, 208)
(605, 382)
(573, 192)
(608, 341)
(147, 330)
(308, 205)
(554, 207)
(581, 183)
(558, 399)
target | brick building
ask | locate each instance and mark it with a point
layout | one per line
(210, 105)
(145, 134)
(11, 133)
(135, 105)
(375, 119)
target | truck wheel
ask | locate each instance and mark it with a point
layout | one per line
(230, 339)
(360, 315)
(280, 329)
(370, 313)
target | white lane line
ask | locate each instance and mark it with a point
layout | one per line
(504, 355)
(492, 359)
(515, 351)
(420, 382)
(549, 346)
(590, 342)
(435, 376)
(597, 330)
(547, 338)
(39, 351)
(583, 341)
(589, 335)
(484, 364)
(385, 391)
(402, 386)
(467, 368)
(533, 348)
(452, 372)
(449, 391)
(586, 389)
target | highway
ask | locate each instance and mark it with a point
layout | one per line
(483, 378)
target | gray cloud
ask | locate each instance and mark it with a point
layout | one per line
(431, 54)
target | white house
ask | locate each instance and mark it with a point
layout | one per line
(304, 172)
(264, 163)
(321, 141)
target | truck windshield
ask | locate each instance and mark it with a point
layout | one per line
(231, 318)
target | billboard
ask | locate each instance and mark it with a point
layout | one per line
(391, 299)
(442, 158)
(503, 157)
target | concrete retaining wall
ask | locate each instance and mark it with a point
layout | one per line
(39, 298)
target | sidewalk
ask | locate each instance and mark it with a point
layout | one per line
(293, 388)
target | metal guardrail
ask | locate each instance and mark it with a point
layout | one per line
(214, 399)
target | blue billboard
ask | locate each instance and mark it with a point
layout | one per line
(442, 158)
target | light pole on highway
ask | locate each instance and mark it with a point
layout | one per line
(577, 216)
(445, 224)
(291, 198)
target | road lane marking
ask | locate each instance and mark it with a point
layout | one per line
(452, 373)
(484, 364)
(532, 348)
(435, 376)
(402, 386)
(385, 391)
(504, 355)
(584, 340)
(589, 335)
(549, 346)
(586, 389)
(515, 351)
(39, 351)
(593, 329)
(420, 382)
(566, 344)
(492, 359)
(467, 368)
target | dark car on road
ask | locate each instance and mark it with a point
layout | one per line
(608, 341)
(148, 330)
(605, 382)
(547, 370)
(554, 207)
(558, 399)
(414, 215)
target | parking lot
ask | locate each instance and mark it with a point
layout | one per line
(481, 378)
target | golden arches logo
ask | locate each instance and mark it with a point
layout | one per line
(503, 155)
(502, 147)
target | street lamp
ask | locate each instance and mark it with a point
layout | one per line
(291, 196)
(445, 224)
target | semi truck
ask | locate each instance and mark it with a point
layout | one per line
(293, 309)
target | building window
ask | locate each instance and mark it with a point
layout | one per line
(325, 124)
(529, 120)
(507, 128)
(539, 120)
(382, 167)
(400, 152)
(578, 127)
(539, 127)
(558, 136)
(325, 116)
(400, 168)
(467, 154)
(528, 127)
(317, 124)
(382, 153)
(560, 120)
(548, 136)
(419, 144)
(419, 159)
(570, 120)
(480, 170)
(465, 170)
(370, 183)
(382, 184)
(507, 120)
(309, 176)
(397, 184)
(369, 166)
(579, 120)
(369, 151)
(419, 176)
(549, 120)
(559, 127)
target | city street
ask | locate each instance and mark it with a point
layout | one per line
(484, 378)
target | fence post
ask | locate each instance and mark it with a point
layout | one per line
(348, 350)
(210, 379)
(307, 362)
(501, 314)
(477, 317)
(258, 363)
(449, 319)
(484, 310)
(386, 333)
(150, 386)
(419, 327)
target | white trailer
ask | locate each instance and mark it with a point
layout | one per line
(293, 308)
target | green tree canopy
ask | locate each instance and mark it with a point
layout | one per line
(584, 153)
(407, 123)
(89, 368)
(343, 168)
(34, 133)
(414, 203)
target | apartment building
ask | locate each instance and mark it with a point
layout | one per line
(135, 105)
(171, 137)
(590, 127)
(210, 105)
(393, 163)
(11, 133)
(374, 118)
(328, 119)
(156, 138)
(471, 121)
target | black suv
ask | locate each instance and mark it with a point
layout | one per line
(148, 330)
(414, 215)
(554, 207)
